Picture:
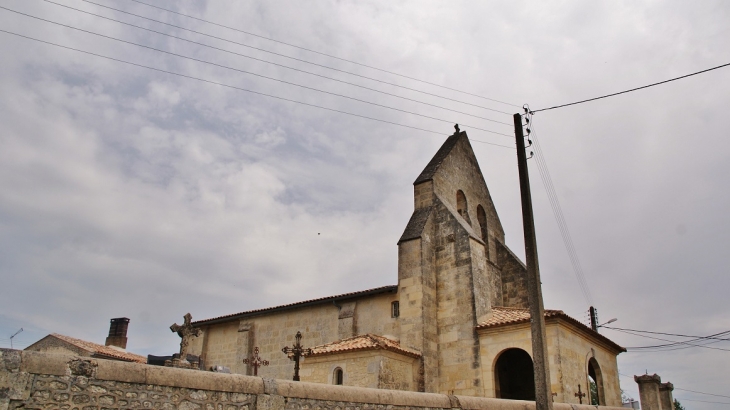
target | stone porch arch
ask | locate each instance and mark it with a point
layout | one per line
(514, 376)
(593, 371)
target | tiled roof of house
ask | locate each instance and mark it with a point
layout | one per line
(504, 316)
(101, 350)
(328, 299)
(363, 342)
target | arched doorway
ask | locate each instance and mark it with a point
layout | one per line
(514, 375)
(595, 383)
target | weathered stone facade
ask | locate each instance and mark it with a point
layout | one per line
(454, 269)
(32, 380)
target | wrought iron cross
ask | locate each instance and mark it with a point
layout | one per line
(294, 353)
(580, 395)
(255, 361)
(186, 331)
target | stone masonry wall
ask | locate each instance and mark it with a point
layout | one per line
(33, 380)
(514, 278)
(228, 343)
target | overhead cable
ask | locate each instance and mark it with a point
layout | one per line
(254, 74)
(667, 334)
(672, 342)
(633, 89)
(699, 392)
(234, 87)
(293, 58)
(705, 401)
(320, 53)
(276, 64)
(560, 217)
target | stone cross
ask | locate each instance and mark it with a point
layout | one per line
(255, 361)
(294, 353)
(580, 395)
(186, 332)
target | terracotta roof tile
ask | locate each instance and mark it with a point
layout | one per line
(504, 316)
(363, 342)
(101, 350)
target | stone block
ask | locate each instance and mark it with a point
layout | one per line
(121, 371)
(269, 402)
(46, 363)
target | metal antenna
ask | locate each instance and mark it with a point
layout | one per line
(14, 334)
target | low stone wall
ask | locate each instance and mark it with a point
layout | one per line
(33, 380)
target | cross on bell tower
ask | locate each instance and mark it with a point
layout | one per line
(294, 353)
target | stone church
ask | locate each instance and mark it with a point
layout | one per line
(456, 322)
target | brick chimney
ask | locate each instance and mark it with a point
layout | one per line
(118, 332)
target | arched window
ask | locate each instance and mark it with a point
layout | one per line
(461, 207)
(338, 377)
(595, 380)
(514, 375)
(482, 218)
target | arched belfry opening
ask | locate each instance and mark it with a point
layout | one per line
(514, 375)
(482, 219)
(461, 206)
(595, 383)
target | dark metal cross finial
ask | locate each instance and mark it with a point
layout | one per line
(255, 361)
(186, 331)
(580, 395)
(294, 353)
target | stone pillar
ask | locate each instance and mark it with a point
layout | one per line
(346, 320)
(244, 347)
(665, 395)
(649, 391)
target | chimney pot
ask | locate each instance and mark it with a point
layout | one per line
(118, 332)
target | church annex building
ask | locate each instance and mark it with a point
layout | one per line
(456, 323)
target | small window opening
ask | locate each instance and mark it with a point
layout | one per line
(482, 218)
(461, 206)
(338, 376)
(395, 309)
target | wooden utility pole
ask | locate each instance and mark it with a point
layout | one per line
(537, 316)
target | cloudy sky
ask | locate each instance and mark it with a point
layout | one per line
(126, 191)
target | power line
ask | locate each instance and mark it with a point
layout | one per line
(633, 89)
(320, 53)
(704, 401)
(665, 340)
(276, 64)
(252, 73)
(293, 58)
(675, 343)
(699, 392)
(559, 217)
(667, 334)
(234, 87)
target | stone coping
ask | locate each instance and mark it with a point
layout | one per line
(14, 362)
